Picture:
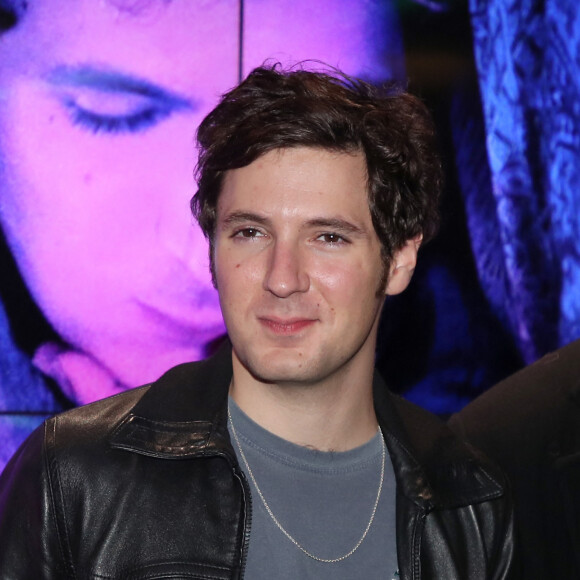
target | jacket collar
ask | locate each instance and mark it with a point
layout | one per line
(184, 414)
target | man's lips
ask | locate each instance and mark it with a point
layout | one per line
(286, 327)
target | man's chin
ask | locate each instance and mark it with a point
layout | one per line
(288, 373)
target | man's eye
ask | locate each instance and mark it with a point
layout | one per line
(248, 233)
(331, 238)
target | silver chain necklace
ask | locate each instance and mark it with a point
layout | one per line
(283, 530)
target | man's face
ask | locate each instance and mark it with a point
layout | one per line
(298, 264)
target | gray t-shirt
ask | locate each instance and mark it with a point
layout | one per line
(324, 500)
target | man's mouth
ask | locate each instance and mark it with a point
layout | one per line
(286, 327)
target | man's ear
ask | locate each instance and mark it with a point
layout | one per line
(403, 265)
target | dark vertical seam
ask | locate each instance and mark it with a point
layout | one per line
(56, 490)
(416, 539)
(241, 41)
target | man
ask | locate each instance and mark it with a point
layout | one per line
(315, 194)
(530, 424)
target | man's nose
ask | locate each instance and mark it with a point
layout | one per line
(286, 273)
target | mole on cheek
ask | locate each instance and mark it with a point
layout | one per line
(237, 265)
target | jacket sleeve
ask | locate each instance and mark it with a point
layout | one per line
(29, 543)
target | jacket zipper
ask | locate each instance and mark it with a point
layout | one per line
(241, 477)
(416, 545)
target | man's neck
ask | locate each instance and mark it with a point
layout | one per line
(336, 414)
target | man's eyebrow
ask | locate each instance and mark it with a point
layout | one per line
(337, 224)
(238, 217)
(113, 81)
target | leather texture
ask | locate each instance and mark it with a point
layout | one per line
(146, 485)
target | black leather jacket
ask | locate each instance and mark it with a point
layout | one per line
(146, 485)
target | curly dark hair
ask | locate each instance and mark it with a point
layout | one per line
(275, 108)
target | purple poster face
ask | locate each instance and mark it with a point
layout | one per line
(96, 141)
(99, 104)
